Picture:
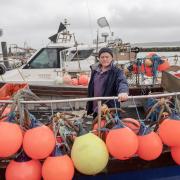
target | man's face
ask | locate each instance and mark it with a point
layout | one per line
(105, 59)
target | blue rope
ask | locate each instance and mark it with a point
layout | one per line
(34, 121)
(116, 118)
(11, 117)
(156, 60)
(143, 129)
(136, 110)
(57, 151)
(116, 105)
(116, 114)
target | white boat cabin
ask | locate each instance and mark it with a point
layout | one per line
(49, 63)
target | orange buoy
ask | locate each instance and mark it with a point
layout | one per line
(148, 62)
(122, 143)
(164, 66)
(136, 70)
(28, 170)
(150, 146)
(9, 89)
(83, 80)
(169, 131)
(58, 167)
(10, 138)
(175, 153)
(39, 142)
(133, 124)
(148, 71)
(142, 68)
(74, 81)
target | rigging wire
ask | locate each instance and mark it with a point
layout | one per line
(90, 21)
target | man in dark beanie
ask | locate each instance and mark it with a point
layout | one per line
(106, 80)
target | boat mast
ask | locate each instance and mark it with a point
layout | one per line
(1, 32)
(64, 36)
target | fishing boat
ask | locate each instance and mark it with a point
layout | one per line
(137, 107)
(163, 167)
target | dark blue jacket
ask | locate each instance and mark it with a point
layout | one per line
(116, 83)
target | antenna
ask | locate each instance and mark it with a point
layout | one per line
(102, 22)
(1, 32)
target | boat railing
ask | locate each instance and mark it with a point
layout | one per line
(93, 99)
(23, 104)
(101, 98)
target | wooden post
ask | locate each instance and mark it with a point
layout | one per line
(5, 54)
(99, 118)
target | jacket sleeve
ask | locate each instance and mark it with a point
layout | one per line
(121, 83)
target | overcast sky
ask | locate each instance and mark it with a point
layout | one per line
(33, 21)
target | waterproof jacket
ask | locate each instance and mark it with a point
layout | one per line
(116, 83)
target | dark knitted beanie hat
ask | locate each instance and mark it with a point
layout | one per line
(105, 49)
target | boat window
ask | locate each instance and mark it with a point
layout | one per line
(46, 58)
(81, 54)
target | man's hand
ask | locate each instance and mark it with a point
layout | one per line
(122, 97)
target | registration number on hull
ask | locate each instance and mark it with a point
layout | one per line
(44, 76)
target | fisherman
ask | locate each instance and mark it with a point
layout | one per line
(106, 80)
